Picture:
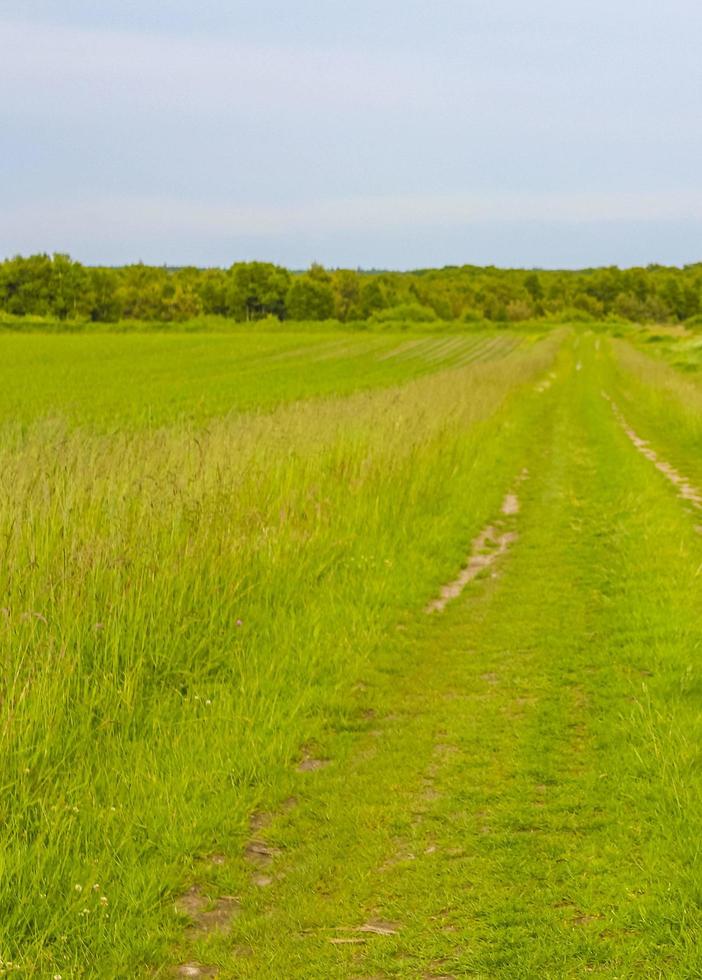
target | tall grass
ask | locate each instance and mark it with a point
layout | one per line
(183, 608)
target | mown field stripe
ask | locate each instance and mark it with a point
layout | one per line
(111, 381)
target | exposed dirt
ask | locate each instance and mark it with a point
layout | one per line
(686, 490)
(585, 920)
(259, 820)
(192, 903)
(207, 915)
(487, 548)
(262, 881)
(219, 917)
(374, 927)
(492, 542)
(260, 854)
(194, 969)
(311, 765)
(380, 927)
(510, 505)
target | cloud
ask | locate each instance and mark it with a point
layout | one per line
(139, 218)
(75, 68)
(121, 123)
(480, 74)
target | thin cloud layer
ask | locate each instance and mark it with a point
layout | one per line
(134, 132)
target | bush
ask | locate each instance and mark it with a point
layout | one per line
(471, 316)
(405, 313)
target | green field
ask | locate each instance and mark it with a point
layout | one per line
(237, 742)
(146, 380)
(679, 347)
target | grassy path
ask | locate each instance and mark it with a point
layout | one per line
(184, 607)
(519, 792)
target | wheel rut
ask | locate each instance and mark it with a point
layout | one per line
(488, 547)
(685, 488)
(268, 864)
(487, 809)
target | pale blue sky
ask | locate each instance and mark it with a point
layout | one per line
(390, 134)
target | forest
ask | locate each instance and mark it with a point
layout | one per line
(59, 288)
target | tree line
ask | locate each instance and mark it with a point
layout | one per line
(57, 287)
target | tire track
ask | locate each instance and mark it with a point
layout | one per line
(492, 542)
(687, 491)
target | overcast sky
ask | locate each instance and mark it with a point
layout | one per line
(394, 133)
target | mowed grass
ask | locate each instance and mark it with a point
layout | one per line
(185, 606)
(132, 380)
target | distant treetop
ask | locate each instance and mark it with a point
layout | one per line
(57, 287)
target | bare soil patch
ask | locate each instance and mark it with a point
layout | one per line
(207, 915)
(312, 765)
(260, 854)
(686, 490)
(194, 969)
(492, 542)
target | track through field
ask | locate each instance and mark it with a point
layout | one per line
(349, 656)
(518, 792)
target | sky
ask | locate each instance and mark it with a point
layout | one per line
(389, 134)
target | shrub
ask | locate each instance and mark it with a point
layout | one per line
(405, 313)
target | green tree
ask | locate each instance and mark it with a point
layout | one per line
(68, 286)
(309, 299)
(346, 285)
(104, 307)
(212, 285)
(256, 290)
(533, 286)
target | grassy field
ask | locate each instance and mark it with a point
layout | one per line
(676, 345)
(144, 380)
(234, 740)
